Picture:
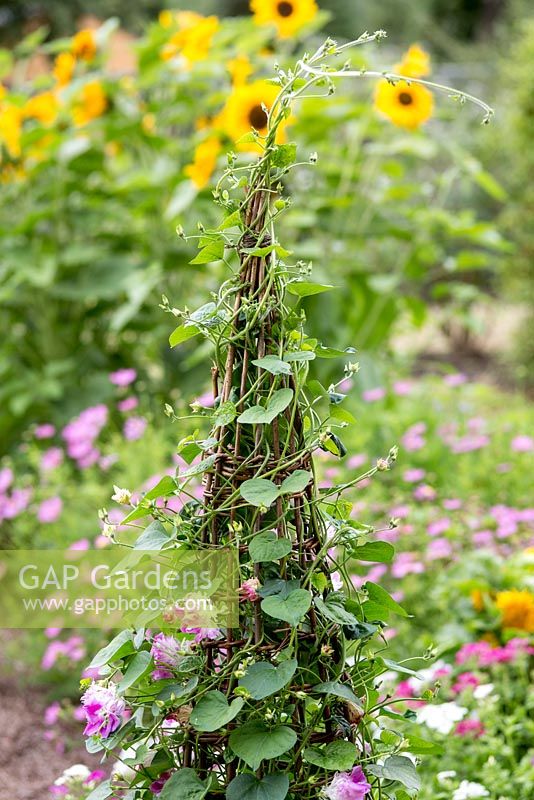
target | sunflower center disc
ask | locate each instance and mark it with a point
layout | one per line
(405, 98)
(257, 118)
(285, 9)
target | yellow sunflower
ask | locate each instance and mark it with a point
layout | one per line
(204, 162)
(91, 104)
(517, 609)
(244, 111)
(64, 66)
(415, 63)
(193, 39)
(43, 107)
(84, 45)
(407, 105)
(240, 70)
(11, 129)
(289, 16)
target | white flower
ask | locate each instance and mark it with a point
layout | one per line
(441, 718)
(78, 772)
(122, 496)
(482, 691)
(468, 790)
(337, 581)
(445, 775)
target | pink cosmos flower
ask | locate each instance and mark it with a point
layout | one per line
(522, 444)
(357, 460)
(50, 509)
(425, 493)
(134, 428)
(373, 395)
(51, 713)
(45, 431)
(403, 388)
(439, 548)
(452, 504)
(6, 479)
(249, 589)
(123, 377)
(17, 503)
(348, 786)
(469, 727)
(414, 475)
(128, 404)
(51, 458)
(81, 544)
(438, 526)
(104, 710)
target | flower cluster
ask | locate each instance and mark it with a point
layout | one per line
(103, 708)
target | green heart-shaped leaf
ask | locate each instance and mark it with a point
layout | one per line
(263, 678)
(259, 492)
(289, 609)
(339, 756)
(267, 546)
(248, 787)
(213, 711)
(255, 741)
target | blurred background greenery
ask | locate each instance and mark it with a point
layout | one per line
(427, 229)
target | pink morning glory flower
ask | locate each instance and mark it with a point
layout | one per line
(103, 708)
(166, 652)
(123, 377)
(348, 786)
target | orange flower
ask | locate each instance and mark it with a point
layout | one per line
(92, 103)
(84, 45)
(64, 66)
(517, 609)
(43, 107)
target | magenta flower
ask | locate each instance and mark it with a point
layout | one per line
(95, 776)
(45, 431)
(128, 404)
(123, 377)
(348, 786)
(248, 589)
(134, 427)
(201, 634)
(17, 503)
(51, 714)
(403, 388)
(51, 458)
(439, 548)
(104, 710)
(50, 509)
(469, 727)
(81, 544)
(464, 681)
(373, 395)
(157, 785)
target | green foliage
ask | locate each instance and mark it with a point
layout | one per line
(88, 211)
